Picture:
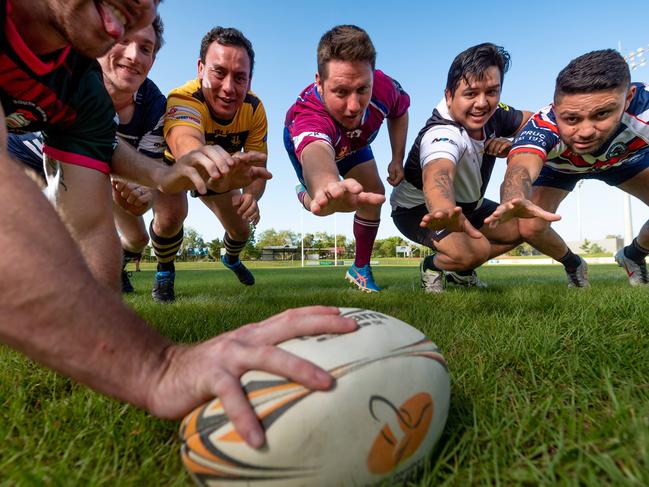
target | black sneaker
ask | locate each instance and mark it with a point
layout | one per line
(163, 287)
(242, 272)
(127, 287)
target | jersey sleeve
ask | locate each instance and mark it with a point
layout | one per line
(90, 140)
(509, 119)
(310, 126)
(152, 143)
(258, 138)
(390, 93)
(441, 142)
(539, 135)
(185, 110)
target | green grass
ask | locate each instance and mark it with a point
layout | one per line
(549, 385)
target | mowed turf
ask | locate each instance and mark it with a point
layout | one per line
(549, 385)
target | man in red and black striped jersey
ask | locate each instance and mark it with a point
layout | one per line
(597, 128)
(52, 307)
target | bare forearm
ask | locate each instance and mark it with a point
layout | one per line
(319, 166)
(56, 313)
(129, 164)
(398, 131)
(522, 169)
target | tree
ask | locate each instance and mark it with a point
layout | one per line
(521, 250)
(214, 248)
(193, 244)
(250, 251)
(585, 247)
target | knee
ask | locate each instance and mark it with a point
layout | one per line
(532, 228)
(168, 223)
(239, 233)
(135, 243)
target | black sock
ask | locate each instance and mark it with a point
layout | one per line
(570, 261)
(635, 252)
(233, 248)
(429, 263)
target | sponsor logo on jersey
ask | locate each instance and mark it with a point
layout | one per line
(616, 150)
(503, 106)
(444, 139)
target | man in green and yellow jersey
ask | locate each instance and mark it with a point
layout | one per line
(216, 109)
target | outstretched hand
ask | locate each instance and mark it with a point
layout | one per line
(342, 196)
(519, 208)
(192, 375)
(498, 146)
(450, 219)
(211, 167)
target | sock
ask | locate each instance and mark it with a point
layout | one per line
(233, 248)
(635, 252)
(301, 194)
(165, 249)
(429, 263)
(570, 261)
(365, 233)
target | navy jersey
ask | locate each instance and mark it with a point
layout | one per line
(541, 136)
(144, 131)
(62, 95)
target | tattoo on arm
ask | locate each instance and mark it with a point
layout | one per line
(517, 184)
(443, 186)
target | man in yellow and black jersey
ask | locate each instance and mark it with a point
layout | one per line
(218, 109)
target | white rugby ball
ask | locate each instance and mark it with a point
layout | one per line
(386, 412)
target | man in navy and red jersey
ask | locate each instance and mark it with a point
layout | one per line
(441, 203)
(597, 128)
(56, 312)
(140, 107)
(328, 132)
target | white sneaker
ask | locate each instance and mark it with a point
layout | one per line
(432, 281)
(579, 278)
(471, 280)
(636, 271)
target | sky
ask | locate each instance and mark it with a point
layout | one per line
(416, 42)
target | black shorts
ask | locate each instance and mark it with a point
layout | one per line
(407, 220)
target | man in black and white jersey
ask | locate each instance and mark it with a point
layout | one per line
(441, 203)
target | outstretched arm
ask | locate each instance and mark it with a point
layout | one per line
(443, 213)
(523, 168)
(398, 131)
(328, 193)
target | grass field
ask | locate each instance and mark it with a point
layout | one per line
(549, 385)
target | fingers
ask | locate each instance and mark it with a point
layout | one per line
(260, 173)
(545, 215)
(372, 199)
(498, 147)
(239, 410)
(471, 231)
(309, 320)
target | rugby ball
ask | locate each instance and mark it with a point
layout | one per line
(385, 413)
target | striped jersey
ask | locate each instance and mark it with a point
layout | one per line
(308, 120)
(247, 130)
(143, 131)
(541, 136)
(62, 95)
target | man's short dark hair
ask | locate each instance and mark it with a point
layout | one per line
(159, 29)
(601, 70)
(471, 64)
(227, 36)
(345, 43)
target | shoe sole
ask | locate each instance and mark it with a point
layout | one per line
(364, 289)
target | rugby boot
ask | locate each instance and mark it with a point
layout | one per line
(635, 271)
(127, 287)
(472, 280)
(433, 281)
(241, 271)
(578, 277)
(362, 278)
(163, 287)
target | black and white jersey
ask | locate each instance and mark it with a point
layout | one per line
(443, 138)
